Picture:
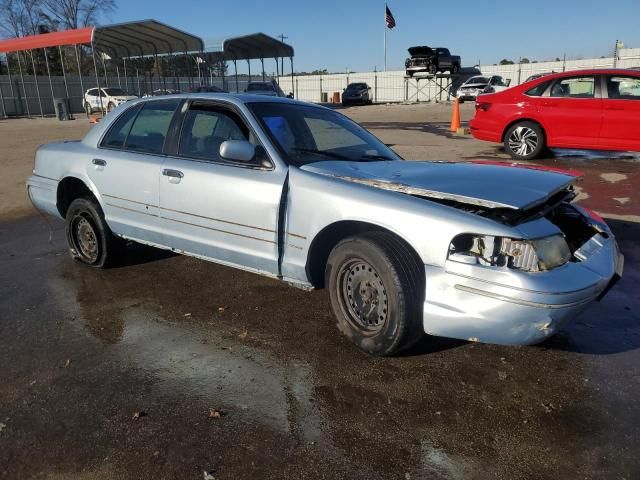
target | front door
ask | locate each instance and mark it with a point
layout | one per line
(126, 169)
(621, 113)
(221, 210)
(572, 113)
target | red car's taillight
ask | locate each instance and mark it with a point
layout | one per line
(484, 106)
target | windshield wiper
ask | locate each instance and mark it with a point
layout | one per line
(321, 152)
(375, 157)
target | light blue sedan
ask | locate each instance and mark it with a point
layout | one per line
(299, 192)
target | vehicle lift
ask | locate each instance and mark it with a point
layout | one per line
(427, 84)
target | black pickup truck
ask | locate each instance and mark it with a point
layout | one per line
(431, 60)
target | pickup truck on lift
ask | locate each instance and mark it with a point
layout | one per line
(431, 60)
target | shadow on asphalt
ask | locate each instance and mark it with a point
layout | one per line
(436, 128)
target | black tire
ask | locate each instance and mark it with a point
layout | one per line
(385, 277)
(88, 109)
(110, 107)
(460, 100)
(524, 140)
(89, 238)
(455, 69)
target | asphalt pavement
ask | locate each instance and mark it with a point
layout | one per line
(170, 367)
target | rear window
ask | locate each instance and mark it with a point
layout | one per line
(150, 127)
(120, 129)
(538, 90)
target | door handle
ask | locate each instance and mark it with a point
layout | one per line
(98, 162)
(167, 172)
(614, 108)
(549, 104)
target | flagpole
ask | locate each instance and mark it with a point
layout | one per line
(385, 36)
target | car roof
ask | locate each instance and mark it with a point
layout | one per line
(593, 71)
(234, 98)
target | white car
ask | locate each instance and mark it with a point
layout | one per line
(479, 84)
(111, 98)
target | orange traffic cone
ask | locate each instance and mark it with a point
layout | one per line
(455, 117)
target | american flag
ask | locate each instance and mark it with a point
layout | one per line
(391, 22)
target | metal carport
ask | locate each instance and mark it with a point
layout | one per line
(257, 46)
(147, 38)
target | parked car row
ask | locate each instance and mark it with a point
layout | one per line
(108, 98)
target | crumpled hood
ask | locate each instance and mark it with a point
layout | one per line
(492, 186)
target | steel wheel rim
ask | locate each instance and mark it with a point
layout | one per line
(363, 296)
(523, 141)
(85, 239)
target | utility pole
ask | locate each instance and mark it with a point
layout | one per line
(282, 39)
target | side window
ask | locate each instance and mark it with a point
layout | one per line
(120, 129)
(576, 87)
(205, 128)
(150, 127)
(538, 90)
(92, 93)
(623, 88)
(329, 136)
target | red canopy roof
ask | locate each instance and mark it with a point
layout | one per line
(67, 37)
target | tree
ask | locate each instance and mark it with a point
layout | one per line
(558, 59)
(504, 61)
(20, 17)
(525, 60)
(67, 14)
(29, 17)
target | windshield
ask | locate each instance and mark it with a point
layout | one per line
(259, 86)
(115, 92)
(357, 86)
(306, 134)
(472, 80)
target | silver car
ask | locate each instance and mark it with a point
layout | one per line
(301, 193)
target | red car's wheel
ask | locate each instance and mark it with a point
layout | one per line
(524, 140)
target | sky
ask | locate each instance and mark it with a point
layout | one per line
(348, 34)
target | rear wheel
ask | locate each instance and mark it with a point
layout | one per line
(88, 109)
(90, 239)
(376, 288)
(110, 107)
(524, 140)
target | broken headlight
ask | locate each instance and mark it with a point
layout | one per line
(524, 255)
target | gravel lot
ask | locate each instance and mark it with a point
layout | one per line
(169, 366)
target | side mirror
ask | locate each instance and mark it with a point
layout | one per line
(237, 151)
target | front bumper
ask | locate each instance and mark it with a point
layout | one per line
(482, 304)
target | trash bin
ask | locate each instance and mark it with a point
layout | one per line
(324, 97)
(63, 108)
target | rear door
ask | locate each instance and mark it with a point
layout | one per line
(572, 112)
(620, 129)
(126, 169)
(211, 207)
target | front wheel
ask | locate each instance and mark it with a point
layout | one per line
(376, 287)
(524, 141)
(110, 107)
(88, 109)
(90, 239)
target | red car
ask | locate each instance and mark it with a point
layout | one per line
(583, 109)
